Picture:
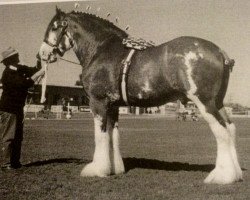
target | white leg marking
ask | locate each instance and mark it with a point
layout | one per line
(118, 162)
(232, 130)
(100, 166)
(225, 171)
(52, 38)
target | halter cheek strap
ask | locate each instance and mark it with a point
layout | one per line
(49, 43)
(71, 42)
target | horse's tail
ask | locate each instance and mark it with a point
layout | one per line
(228, 67)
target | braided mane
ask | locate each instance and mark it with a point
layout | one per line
(100, 22)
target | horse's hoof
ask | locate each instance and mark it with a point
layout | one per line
(118, 170)
(220, 176)
(93, 169)
(118, 167)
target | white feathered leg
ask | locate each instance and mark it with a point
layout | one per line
(100, 166)
(226, 170)
(118, 162)
(232, 131)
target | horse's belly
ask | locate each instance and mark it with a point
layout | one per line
(150, 98)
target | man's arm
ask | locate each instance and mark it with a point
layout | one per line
(20, 81)
(29, 71)
(16, 81)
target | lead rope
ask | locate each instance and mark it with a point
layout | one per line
(44, 83)
(69, 61)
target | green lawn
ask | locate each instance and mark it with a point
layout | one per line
(164, 159)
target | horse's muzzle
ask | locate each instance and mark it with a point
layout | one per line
(48, 53)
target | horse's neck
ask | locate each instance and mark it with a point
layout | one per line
(87, 50)
(90, 41)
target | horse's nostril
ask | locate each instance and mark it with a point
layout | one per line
(55, 50)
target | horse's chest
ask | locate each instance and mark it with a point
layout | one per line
(102, 83)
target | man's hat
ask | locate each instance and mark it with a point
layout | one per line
(8, 53)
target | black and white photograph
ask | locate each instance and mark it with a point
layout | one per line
(124, 99)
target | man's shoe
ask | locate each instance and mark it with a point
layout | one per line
(16, 165)
(11, 166)
(6, 167)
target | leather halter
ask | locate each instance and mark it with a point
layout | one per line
(63, 32)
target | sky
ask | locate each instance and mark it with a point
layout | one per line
(223, 22)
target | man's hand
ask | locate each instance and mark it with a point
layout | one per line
(38, 74)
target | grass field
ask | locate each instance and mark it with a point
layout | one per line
(164, 159)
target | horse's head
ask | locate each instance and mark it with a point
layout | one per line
(57, 39)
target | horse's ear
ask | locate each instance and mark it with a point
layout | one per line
(58, 11)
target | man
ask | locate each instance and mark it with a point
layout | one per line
(16, 79)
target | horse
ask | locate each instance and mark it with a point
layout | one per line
(185, 68)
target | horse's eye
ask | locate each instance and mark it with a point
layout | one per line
(64, 23)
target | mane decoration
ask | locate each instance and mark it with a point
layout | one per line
(101, 20)
(137, 43)
(106, 22)
(93, 16)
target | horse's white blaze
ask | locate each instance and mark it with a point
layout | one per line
(52, 38)
(100, 166)
(188, 58)
(118, 162)
(227, 166)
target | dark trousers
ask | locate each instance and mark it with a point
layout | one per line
(11, 128)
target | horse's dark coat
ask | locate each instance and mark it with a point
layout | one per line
(156, 75)
(183, 68)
